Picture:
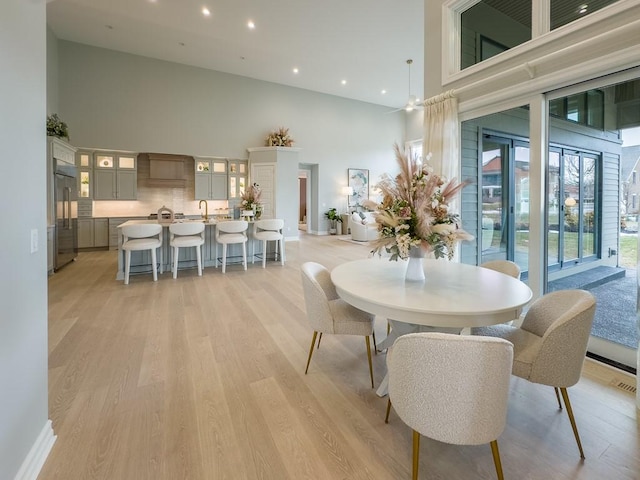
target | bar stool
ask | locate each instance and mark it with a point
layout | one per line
(145, 236)
(230, 232)
(183, 235)
(269, 230)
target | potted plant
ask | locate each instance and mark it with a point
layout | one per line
(334, 219)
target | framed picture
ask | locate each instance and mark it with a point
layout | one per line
(359, 181)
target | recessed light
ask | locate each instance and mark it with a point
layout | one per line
(205, 11)
(109, 27)
(295, 70)
(383, 92)
(344, 82)
(181, 44)
(251, 25)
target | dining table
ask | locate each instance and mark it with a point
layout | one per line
(452, 296)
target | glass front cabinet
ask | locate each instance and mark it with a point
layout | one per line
(211, 179)
(115, 176)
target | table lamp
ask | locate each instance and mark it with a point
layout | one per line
(348, 191)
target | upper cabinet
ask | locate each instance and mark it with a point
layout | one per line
(238, 177)
(210, 178)
(85, 174)
(115, 176)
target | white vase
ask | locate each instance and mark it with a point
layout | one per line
(415, 268)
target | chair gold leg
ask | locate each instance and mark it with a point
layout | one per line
(558, 397)
(565, 397)
(496, 459)
(313, 342)
(375, 345)
(416, 454)
(319, 338)
(386, 417)
(366, 339)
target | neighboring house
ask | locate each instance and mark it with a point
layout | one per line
(630, 180)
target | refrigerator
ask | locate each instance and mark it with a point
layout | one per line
(66, 211)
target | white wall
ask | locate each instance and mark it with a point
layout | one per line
(23, 277)
(52, 72)
(121, 101)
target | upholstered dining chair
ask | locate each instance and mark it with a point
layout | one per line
(451, 388)
(550, 346)
(269, 230)
(328, 313)
(184, 235)
(503, 266)
(144, 236)
(230, 232)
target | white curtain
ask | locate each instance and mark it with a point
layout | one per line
(442, 134)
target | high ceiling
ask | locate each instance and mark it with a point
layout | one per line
(365, 42)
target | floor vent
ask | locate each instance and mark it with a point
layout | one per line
(625, 386)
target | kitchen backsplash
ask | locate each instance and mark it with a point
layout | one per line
(150, 199)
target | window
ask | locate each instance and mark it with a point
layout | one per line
(567, 11)
(586, 108)
(491, 27)
(634, 199)
(633, 177)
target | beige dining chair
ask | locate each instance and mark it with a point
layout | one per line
(503, 266)
(550, 346)
(144, 236)
(269, 230)
(451, 388)
(328, 313)
(232, 232)
(185, 235)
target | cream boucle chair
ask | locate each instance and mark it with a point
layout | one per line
(550, 346)
(451, 388)
(328, 313)
(503, 266)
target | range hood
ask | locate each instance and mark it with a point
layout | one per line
(167, 170)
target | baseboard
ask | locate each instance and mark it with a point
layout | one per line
(38, 454)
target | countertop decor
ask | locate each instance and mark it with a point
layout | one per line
(415, 211)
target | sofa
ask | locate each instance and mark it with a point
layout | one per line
(363, 226)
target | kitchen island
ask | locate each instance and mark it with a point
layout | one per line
(141, 260)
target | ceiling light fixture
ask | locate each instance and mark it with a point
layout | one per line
(383, 92)
(295, 70)
(205, 11)
(251, 25)
(344, 82)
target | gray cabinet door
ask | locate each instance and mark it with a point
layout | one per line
(101, 232)
(104, 185)
(203, 186)
(85, 232)
(218, 187)
(127, 188)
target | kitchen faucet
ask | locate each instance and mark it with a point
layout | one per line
(206, 209)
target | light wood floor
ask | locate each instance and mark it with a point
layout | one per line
(203, 378)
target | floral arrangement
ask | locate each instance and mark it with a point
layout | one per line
(251, 197)
(279, 138)
(415, 211)
(56, 127)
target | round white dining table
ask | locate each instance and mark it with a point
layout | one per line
(452, 296)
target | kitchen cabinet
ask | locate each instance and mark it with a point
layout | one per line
(238, 178)
(85, 174)
(93, 232)
(115, 176)
(210, 178)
